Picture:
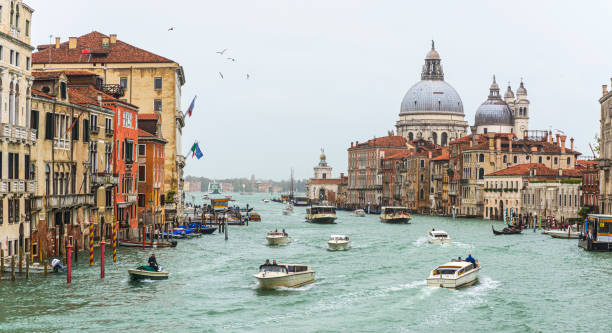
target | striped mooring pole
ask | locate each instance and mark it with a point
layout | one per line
(115, 241)
(91, 238)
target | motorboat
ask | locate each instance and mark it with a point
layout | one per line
(148, 244)
(338, 242)
(321, 214)
(148, 273)
(438, 237)
(454, 274)
(359, 213)
(395, 215)
(288, 210)
(254, 216)
(265, 200)
(507, 231)
(301, 201)
(284, 275)
(568, 234)
(278, 238)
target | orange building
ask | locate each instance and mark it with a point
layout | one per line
(150, 170)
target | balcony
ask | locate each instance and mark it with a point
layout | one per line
(61, 144)
(70, 200)
(438, 177)
(30, 186)
(131, 197)
(109, 133)
(14, 133)
(104, 179)
(116, 90)
(4, 186)
(37, 203)
(17, 186)
(94, 129)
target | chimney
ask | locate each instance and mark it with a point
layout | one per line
(498, 144)
(558, 142)
(104, 41)
(351, 144)
(563, 138)
(510, 143)
(550, 137)
(341, 175)
(72, 42)
(572, 144)
(113, 38)
(57, 42)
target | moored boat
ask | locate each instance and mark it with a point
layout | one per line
(284, 275)
(254, 216)
(506, 231)
(321, 214)
(395, 215)
(454, 274)
(438, 237)
(359, 213)
(148, 273)
(338, 242)
(278, 238)
(568, 234)
(147, 244)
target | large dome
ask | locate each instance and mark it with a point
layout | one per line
(494, 111)
(432, 96)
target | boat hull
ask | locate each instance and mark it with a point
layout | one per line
(338, 246)
(395, 220)
(278, 240)
(439, 241)
(129, 243)
(322, 219)
(139, 274)
(290, 281)
(449, 281)
(564, 234)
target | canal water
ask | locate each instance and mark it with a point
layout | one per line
(529, 283)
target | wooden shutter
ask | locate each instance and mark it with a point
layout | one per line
(85, 130)
(75, 129)
(49, 125)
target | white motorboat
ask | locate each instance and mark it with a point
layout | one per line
(284, 275)
(568, 234)
(266, 200)
(338, 242)
(454, 274)
(359, 213)
(438, 237)
(278, 238)
(395, 215)
(288, 210)
(321, 214)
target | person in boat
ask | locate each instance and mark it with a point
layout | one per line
(459, 259)
(284, 233)
(153, 262)
(471, 259)
(274, 262)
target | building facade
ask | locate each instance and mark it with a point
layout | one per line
(323, 188)
(432, 109)
(605, 148)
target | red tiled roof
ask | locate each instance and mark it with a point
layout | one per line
(540, 170)
(86, 95)
(384, 141)
(118, 52)
(444, 157)
(46, 75)
(148, 116)
(398, 154)
(41, 94)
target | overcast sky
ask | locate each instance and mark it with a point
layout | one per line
(325, 73)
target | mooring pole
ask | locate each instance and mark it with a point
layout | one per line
(102, 243)
(20, 261)
(114, 235)
(13, 267)
(225, 228)
(69, 263)
(91, 241)
(144, 235)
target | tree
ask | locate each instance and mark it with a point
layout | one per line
(596, 147)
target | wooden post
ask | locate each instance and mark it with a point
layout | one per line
(28, 266)
(1, 260)
(144, 235)
(13, 267)
(225, 229)
(102, 243)
(76, 250)
(114, 242)
(20, 261)
(91, 241)
(69, 263)
(44, 261)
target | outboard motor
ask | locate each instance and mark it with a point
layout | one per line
(57, 265)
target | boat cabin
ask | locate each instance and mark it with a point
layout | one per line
(283, 268)
(301, 201)
(321, 210)
(395, 211)
(597, 233)
(338, 238)
(454, 268)
(438, 234)
(277, 233)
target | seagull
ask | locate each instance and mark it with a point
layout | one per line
(230, 58)
(221, 52)
(248, 76)
(221, 74)
(171, 28)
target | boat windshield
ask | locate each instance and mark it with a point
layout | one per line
(273, 268)
(338, 237)
(322, 210)
(441, 235)
(450, 271)
(395, 210)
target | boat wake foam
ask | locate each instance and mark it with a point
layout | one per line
(420, 241)
(462, 245)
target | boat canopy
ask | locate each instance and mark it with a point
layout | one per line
(338, 237)
(321, 210)
(439, 233)
(273, 268)
(395, 210)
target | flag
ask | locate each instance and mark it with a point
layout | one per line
(195, 149)
(191, 106)
(74, 122)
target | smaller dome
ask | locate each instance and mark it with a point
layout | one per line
(433, 54)
(494, 111)
(521, 90)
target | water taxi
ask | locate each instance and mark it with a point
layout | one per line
(598, 233)
(288, 210)
(277, 238)
(284, 275)
(148, 273)
(359, 213)
(395, 215)
(438, 237)
(338, 242)
(567, 234)
(321, 214)
(254, 216)
(301, 201)
(454, 274)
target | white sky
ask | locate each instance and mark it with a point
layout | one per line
(325, 73)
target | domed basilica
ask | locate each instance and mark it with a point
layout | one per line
(432, 109)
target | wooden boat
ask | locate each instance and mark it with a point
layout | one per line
(207, 230)
(338, 242)
(395, 215)
(147, 244)
(438, 237)
(278, 238)
(284, 275)
(454, 274)
(147, 273)
(564, 234)
(321, 214)
(254, 216)
(506, 232)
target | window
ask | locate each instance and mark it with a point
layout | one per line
(556, 160)
(142, 176)
(540, 159)
(12, 57)
(142, 151)
(127, 119)
(28, 63)
(123, 82)
(157, 83)
(16, 58)
(108, 125)
(129, 151)
(569, 161)
(108, 197)
(141, 200)
(515, 159)
(157, 105)
(63, 90)
(27, 28)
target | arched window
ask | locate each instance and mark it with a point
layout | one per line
(422, 194)
(434, 137)
(481, 173)
(505, 159)
(12, 12)
(410, 136)
(444, 140)
(481, 158)
(569, 161)
(47, 180)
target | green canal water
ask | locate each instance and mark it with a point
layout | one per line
(529, 283)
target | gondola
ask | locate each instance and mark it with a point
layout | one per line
(511, 232)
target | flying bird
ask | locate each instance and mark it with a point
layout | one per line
(230, 58)
(221, 74)
(171, 29)
(221, 52)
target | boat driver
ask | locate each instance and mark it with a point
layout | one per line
(153, 262)
(471, 259)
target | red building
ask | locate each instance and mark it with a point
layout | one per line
(589, 170)
(150, 170)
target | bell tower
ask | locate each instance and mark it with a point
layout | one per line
(521, 111)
